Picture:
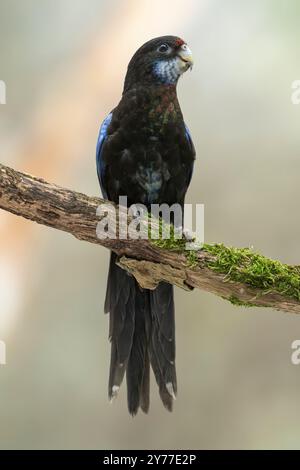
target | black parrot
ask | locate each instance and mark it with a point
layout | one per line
(145, 152)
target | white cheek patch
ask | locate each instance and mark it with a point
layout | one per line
(168, 71)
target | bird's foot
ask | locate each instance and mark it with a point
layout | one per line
(188, 234)
(191, 239)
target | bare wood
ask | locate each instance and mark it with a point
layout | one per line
(47, 204)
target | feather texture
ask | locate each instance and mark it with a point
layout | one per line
(144, 152)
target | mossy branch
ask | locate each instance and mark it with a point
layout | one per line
(241, 276)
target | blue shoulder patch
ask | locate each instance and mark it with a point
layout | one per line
(100, 164)
(189, 139)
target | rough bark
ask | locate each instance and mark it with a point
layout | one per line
(47, 204)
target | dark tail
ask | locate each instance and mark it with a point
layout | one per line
(142, 332)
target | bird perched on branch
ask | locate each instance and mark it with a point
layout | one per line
(145, 152)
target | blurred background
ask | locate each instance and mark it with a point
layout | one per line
(64, 62)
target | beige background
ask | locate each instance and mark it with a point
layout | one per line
(64, 62)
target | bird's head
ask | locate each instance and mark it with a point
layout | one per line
(159, 61)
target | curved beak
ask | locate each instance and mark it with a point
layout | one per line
(185, 55)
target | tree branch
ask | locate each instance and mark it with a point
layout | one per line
(238, 275)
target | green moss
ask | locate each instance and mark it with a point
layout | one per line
(241, 265)
(192, 258)
(239, 303)
(246, 266)
(173, 243)
(169, 243)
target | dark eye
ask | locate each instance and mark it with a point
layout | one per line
(163, 48)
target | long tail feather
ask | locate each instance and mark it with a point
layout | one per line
(142, 332)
